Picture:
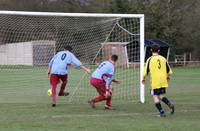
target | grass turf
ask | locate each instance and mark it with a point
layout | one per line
(24, 105)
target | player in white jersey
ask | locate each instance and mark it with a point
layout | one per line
(101, 80)
(58, 70)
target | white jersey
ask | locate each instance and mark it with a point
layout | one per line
(106, 68)
(60, 61)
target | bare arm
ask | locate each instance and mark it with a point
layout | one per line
(49, 71)
(116, 81)
(169, 71)
(143, 80)
(85, 69)
(146, 70)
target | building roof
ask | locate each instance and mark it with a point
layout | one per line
(149, 42)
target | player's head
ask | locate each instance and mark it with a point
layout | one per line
(69, 48)
(114, 58)
(155, 48)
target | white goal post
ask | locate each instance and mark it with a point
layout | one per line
(93, 36)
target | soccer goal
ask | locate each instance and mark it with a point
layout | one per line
(29, 40)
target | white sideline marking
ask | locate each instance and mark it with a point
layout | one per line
(110, 115)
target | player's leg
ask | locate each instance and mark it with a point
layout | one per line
(63, 85)
(99, 86)
(96, 99)
(165, 100)
(101, 96)
(108, 101)
(54, 80)
(155, 93)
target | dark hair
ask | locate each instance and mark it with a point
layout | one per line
(114, 58)
(155, 48)
(69, 48)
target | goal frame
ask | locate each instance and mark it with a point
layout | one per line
(140, 16)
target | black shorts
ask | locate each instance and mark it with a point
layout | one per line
(158, 91)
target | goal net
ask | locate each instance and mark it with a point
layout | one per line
(30, 39)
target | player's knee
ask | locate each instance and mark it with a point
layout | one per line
(156, 98)
(108, 97)
(161, 96)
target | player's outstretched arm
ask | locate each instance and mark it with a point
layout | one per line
(85, 69)
(116, 81)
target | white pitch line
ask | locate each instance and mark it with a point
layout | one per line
(112, 115)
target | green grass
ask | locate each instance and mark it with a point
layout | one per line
(24, 105)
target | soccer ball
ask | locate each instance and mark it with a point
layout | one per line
(49, 92)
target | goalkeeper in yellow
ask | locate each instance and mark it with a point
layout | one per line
(160, 72)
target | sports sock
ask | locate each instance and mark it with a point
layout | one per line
(98, 99)
(62, 88)
(166, 101)
(159, 107)
(108, 101)
(53, 97)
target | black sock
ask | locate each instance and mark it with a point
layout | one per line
(158, 106)
(166, 101)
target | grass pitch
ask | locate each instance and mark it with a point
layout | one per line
(24, 106)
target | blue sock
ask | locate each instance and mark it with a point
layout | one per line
(166, 101)
(159, 107)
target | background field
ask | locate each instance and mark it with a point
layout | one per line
(24, 105)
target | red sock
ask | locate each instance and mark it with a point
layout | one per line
(108, 102)
(53, 97)
(62, 88)
(98, 99)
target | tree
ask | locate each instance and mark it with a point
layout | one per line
(175, 21)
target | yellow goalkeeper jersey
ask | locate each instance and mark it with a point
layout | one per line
(158, 68)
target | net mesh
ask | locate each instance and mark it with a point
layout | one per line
(27, 43)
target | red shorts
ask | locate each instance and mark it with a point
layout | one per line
(100, 85)
(55, 78)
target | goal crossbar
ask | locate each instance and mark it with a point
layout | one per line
(71, 14)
